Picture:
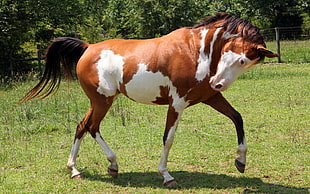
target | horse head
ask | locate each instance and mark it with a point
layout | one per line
(243, 48)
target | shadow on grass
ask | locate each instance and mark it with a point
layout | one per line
(192, 180)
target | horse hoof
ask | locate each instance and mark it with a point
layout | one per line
(78, 176)
(170, 184)
(240, 166)
(113, 173)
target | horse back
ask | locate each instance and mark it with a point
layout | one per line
(144, 70)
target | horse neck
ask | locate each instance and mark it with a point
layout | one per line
(209, 43)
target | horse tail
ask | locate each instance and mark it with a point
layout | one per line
(66, 51)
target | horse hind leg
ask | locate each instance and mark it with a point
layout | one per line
(111, 156)
(100, 109)
(91, 123)
(81, 130)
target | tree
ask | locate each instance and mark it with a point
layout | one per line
(36, 21)
(15, 24)
(23, 24)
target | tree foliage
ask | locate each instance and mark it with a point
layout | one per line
(31, 22)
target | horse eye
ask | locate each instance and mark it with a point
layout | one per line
(242, 62)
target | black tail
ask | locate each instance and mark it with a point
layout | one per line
(66, 51)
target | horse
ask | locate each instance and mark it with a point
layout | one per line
(188, 66)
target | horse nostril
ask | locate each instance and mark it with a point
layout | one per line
(218, 86)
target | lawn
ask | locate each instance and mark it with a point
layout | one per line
(36, 139)
(292, 51)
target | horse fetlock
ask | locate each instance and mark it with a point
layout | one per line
(242, 150)
(242, 156)
(112, 158)
(70, 164)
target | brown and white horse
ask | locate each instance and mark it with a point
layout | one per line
(188, 66)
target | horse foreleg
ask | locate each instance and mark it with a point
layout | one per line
(171, 126)
(219, 103)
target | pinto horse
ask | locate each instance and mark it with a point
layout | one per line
(188, 66)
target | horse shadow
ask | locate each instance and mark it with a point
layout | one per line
(189, 180)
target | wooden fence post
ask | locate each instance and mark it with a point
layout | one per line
(39, 58)
(11, 61)
(278, 43)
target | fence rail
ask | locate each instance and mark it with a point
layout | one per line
(13, 60)
(278, 35)
(288, 41)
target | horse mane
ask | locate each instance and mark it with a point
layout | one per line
(232, 25)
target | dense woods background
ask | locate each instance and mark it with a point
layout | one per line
(24, 24)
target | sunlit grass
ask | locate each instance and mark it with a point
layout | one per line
(36, 138)
(291, 51)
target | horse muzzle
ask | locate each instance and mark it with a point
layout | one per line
(216, 85)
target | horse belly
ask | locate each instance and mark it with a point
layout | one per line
(146, 86)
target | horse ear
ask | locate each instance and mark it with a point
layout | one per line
(264, 51)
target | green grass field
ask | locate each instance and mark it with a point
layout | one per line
(291, 51)
(36, 138)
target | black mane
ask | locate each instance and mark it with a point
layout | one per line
(233, 25)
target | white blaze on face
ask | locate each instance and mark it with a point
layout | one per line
(204, 61)
(110, 72)
(230, 67)
(145, 85)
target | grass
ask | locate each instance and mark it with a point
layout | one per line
(291, 51)
(36, 138)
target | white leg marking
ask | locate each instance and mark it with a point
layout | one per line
(107, 150)
(242, 149)
(162, 167)
(72, 157)
(179, 105)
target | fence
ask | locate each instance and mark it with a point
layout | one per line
(291, 43)
(13, 61)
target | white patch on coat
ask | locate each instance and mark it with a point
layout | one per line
(204, 61)
(145, 85)
(110, 72)
(179, 103)
(211, 46)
